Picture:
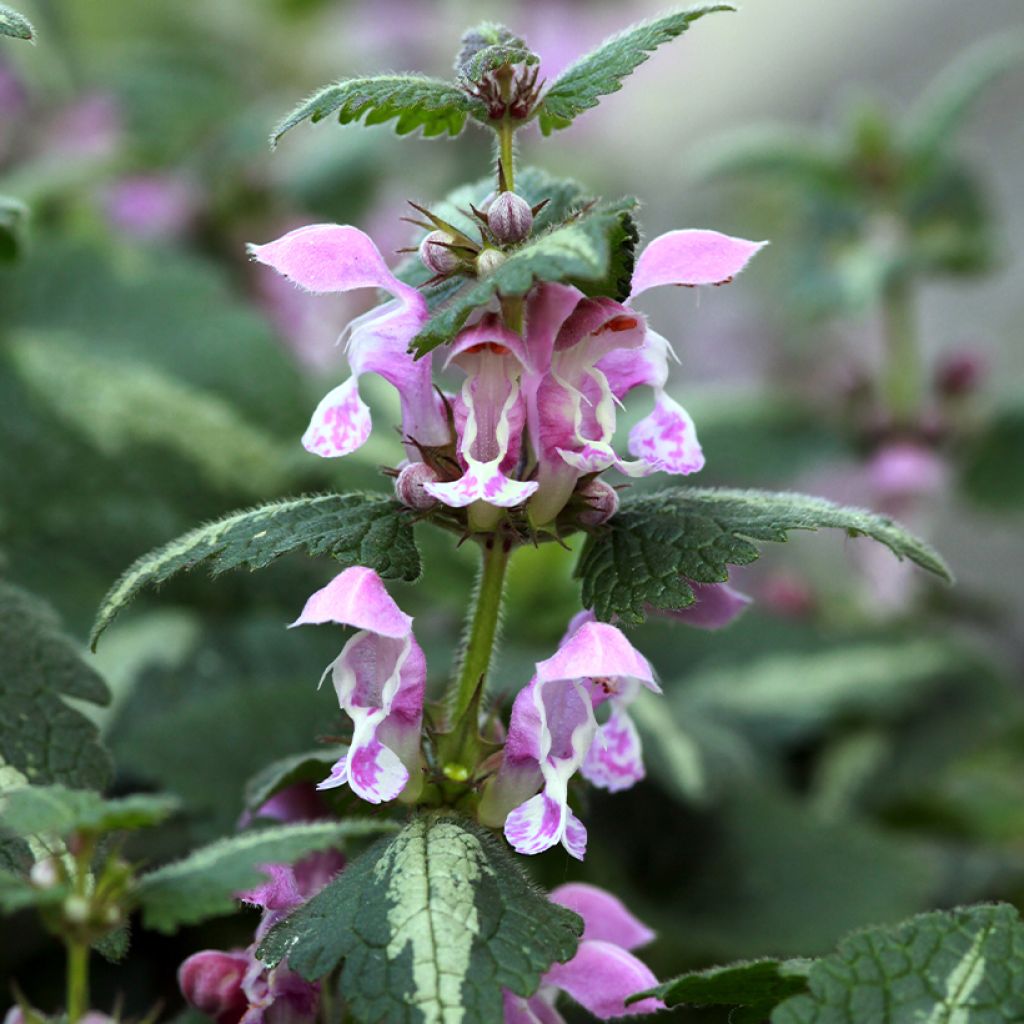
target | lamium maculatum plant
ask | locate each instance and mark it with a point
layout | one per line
(512, 333)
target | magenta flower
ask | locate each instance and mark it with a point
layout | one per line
(379, 678)
(603, 973)
(717, 605)
(550, 735)
(336, 258)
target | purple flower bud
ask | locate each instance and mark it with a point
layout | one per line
(602, 501)
(211, 981)
(959, 374)
(488, 262)
(435, 255)
(510, 218)
(410, 489)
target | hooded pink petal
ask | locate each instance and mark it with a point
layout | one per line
(597, 650)
(605, 917)
(601, 976)
(357, 597)
(691, 257)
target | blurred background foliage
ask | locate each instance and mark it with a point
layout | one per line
(849, 752)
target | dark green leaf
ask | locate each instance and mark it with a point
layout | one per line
(440, 918)
(114, 946)
(204, 883)
(600, 73)
(755, 983)
(41, 736)
(355, 529)
(659, 541)
(993, 471)
(16, 25)
(13, 219)
(581, 251)
(58, 811)
(310, 766)
(435, 106)
(933, 121)
(948, 966)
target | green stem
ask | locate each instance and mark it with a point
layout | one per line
(483, 630)
(903, 382)
(78, 980)
(506, 133)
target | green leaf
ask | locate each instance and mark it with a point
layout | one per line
(18, 893)
(309, 766)
(600, 73)
(992, 470)
(440, 918)
(490, 46)
(41, 735)
(59, 811)
(583, 251)
(962, 965)
(659, 541)
(936, 116)
(430, 104)
(13, 220)
(204, 883)
(16, 25)
(755, 983)
(355, 529)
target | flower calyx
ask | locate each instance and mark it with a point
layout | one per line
(509, 92)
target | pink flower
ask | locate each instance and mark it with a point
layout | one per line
(336, 258)
(379, 678)
(561, 381)
(717, 605)
(551, 733)
(152, 206)
(603, 973)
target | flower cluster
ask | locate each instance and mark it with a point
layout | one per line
(535, 417)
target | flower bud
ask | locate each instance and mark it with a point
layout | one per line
(601, 502)
(435, 254)
(959, 374)
(488, 262)
(409, 486)
(76, 909)
(510, 218)
(211, 981)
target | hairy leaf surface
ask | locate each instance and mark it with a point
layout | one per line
(59, 811)
(947, 967)
(15, 25)
(355, 529)
(431, 926)
(416, 101)
(659, 541)
(600, 73)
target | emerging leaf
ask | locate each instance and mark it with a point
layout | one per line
(355, 529)
(435, 106)
(41, 736)
(58, 811)
(759, 984)
(584, 251)
(16, 25)
(440, 918)
(659, 541)
(600, 73)
(490, 46)
(956, 965)
(204, 883)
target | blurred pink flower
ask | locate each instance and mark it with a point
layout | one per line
(152, 206)
(91, 128)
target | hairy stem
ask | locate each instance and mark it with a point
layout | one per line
(903, 382)
(506, 135)
(77, 980)
(483, 630)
